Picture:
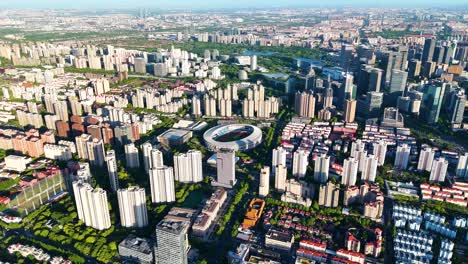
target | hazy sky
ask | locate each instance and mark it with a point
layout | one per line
(196, 4)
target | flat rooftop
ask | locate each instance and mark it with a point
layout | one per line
(135, 243)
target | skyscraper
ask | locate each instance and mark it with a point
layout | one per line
(264, 185)
(457, 106)
(300, 163)
(172, 243)
(357, 146)
(146, 149)
(162, 184)
(280, 177)
(329, 195)
(350, 170)
(350, 111)
(188, 166)
(156, 158)
(112, 170)
(428, 50)
(397, 85)
(132, 207)
(425, 159)
(439, 170)
(402, 156)
(432, 102)
(279, 156)
(321, 167)
(91, 205)
(369, 168)
(414, 68)
(131, 156)
(226, 168)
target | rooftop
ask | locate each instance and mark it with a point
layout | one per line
(133, 242)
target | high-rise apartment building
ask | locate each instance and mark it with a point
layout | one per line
(305, 104)
(172, 243)
(402, 156)
(91, 205)
(188, 166)
(439, 170)
(462, 166)
(226, 168)
(369, 168)
(279, 156)
(329, 195)
(300, 163)
(131, 156)
(380, 151)
(350, 170)
(264, 185)
(321, 167)
(350, 110)
(132, 207)
(281, 173)
(111, 162)
(425, 159)
(162, 184)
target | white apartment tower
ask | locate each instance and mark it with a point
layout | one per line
(462, 166)
(425, 159)
(369, 168)
(300, 163)
(439, 170)
(132, 207)
(402, 156)
(321, 167)
(380, 150)
(264, 186)
(162, 184)
(91, 205)
(131, 156)
(188, 166)
(281, 173)
(350, 170)
(111, 162)
(279, 157)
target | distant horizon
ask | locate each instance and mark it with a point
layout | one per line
(222, 4)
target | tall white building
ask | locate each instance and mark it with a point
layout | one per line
(279, 157)
(462, 166)
(111, 162)
(321, 167)
(131, 156)
(350, 170)
(439, 170)
(425, 159)
(146, 150)
(156, 158)
(226, 168)
(91, 205)
(253, 62)
(300, 163)
(281, 173)
(357, 146)
(380, 150)
(188, 166)
(162, 184)
(360, 156)
(90, 149)
(369, 168)
(264, 185)
(132, 207)
(196, 106)
(402, 156)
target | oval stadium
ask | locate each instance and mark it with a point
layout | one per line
(237, 137)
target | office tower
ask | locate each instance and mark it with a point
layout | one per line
(369, 170)
(348, 91)
(226, 168)
(188, 166)
(390, 61)
(162, 184)
(350, 111)
(321, 167)
(439, 170)
(146, 150)
(91, 205)
(310, 79)
(457, 106)
(379, 151)
(136, 249)
(462, 166)
(132, 207)
(402, 156)
(350, 170)
(112, 170)
(305, 104)
(253, 62)
(264, 185)
(370, 79)
(438, 57)
(131, 156)
(328, 97)
(329, 195)
(346, 56)
(196, 106)
(448, 54)
(432, 102)
(300, 163)
(414, 68)
(428, 50)
(425, 159)
(357, 146)
(281, 173)
(172, 243)
(373, 104)
(397, 85)
(429, 68)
